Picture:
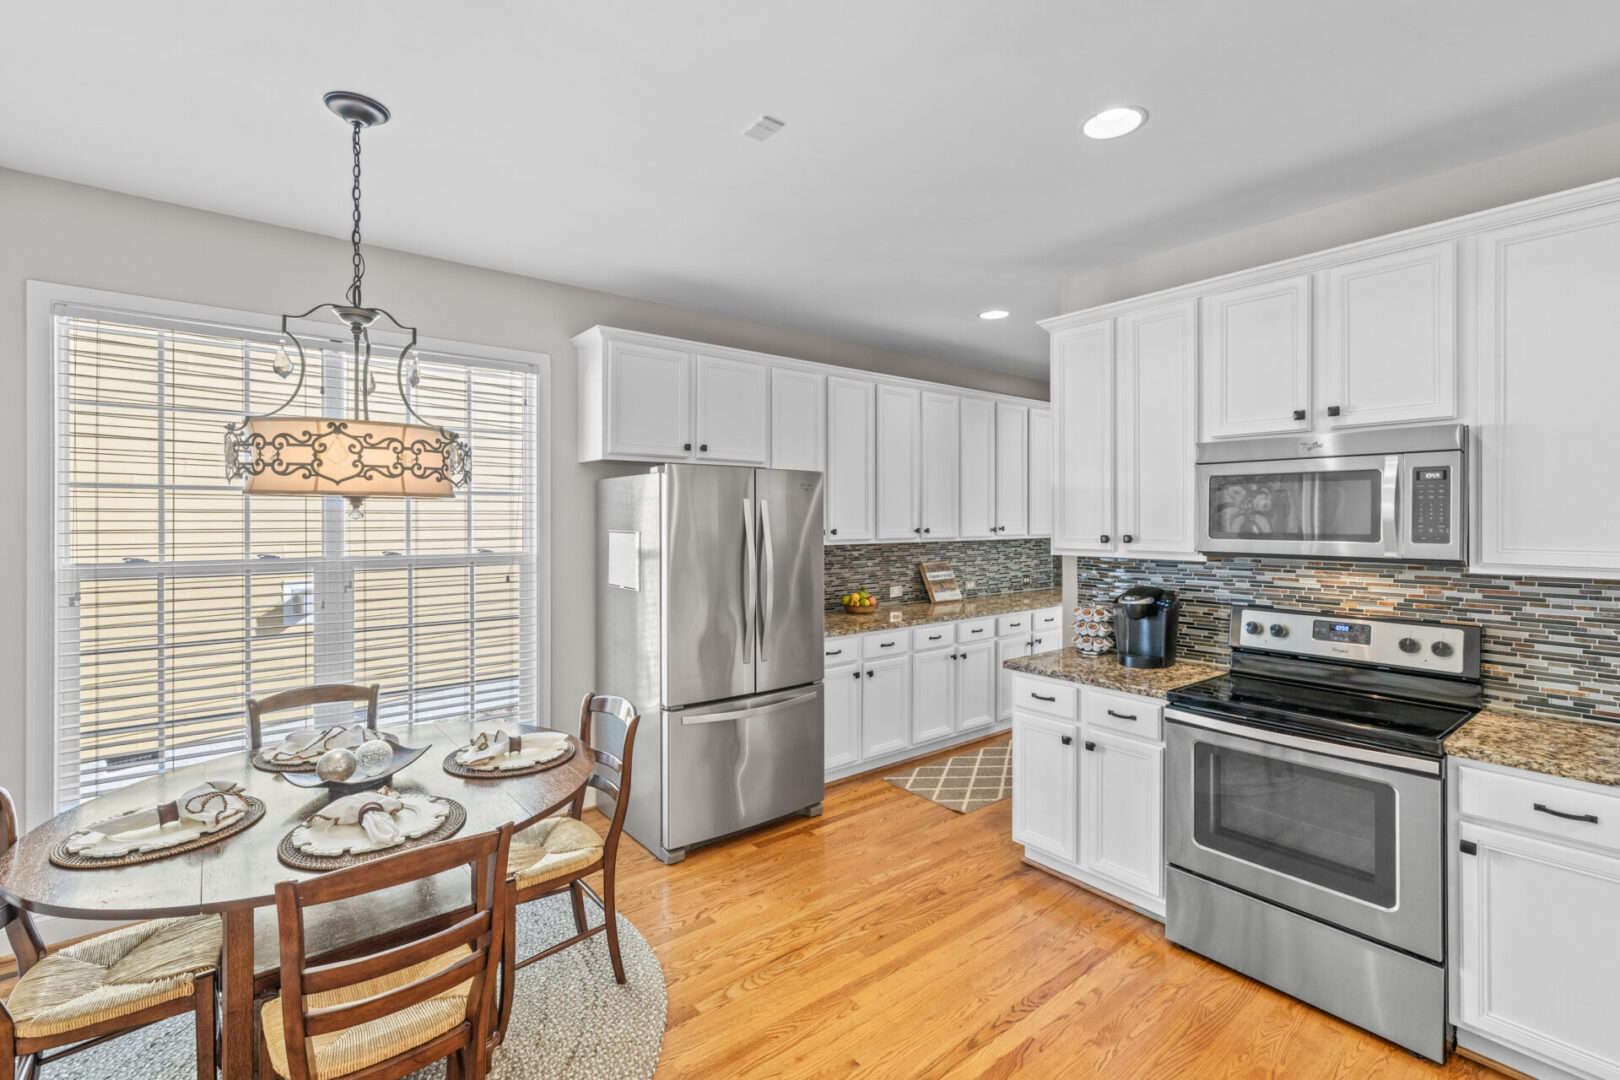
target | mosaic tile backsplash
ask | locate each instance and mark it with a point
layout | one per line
(1550, 645)
(996, 566)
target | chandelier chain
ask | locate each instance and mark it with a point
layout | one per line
(357, 259)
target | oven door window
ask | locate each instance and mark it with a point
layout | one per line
(1331, 505)
(1329, 829)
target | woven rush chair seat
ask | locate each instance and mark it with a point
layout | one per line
(114, 974)
(340, 1053)
(553, 847)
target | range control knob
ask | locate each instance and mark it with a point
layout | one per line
(1252, 627)
(1279, 630)
(1410, 644)
(1441, 648)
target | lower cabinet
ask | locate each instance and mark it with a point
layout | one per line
(842, 702)
(1122, 809)
(1046, 785)
(933, 694)
(975, 686)
(885, 705)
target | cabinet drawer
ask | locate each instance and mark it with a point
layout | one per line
(1524, 802)
(1048, 619)
(841, 650)
(975, 630)
(1012, 624)
(1142, 717)
(893, 643)
(1045, 696)
(936, 636)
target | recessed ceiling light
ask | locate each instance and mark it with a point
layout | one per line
(993, 314)
(1112, 123)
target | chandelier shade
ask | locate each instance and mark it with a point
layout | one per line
(318, 455)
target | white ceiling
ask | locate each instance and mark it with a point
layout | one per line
(930, 167)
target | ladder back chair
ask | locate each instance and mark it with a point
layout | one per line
(557, 853)
(408, 1000)
(104, 986)
(303, 696)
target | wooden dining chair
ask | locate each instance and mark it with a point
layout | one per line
(403, 1002)
(103, 986)
(305, 696)
(557, 853)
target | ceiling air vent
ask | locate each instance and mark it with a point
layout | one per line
(764, 128)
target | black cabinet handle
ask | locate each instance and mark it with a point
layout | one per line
(835, 652)
(935, 637)
(1090, 745)
(1041, 697)
(855, 674)
(886, 644)
(1299, 414)
(1543, 808)
(834, 532)
(1468, 847)
(1068, 740)
(1103, 539)
(868, 674)
(686, 446)
(918, 530)
(1121, 715)
(927, 530)
(1127, 538)
(962, 656)
(977, 630)
(1030, 643)
(1333, 410)
(703, 448)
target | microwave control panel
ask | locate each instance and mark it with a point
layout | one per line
(1431, 504)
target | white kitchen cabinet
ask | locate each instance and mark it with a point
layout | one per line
(978, 469)
(1012, 469)
(1156, 419)
(933, 693)
(1389, 339)
(1008, 647)
(842, 714)
(898, 439)
(1040, 472)
(1046, 779)
(1256, 359)
(798, 419)
(1548, 383)
(940, 464)
(885, 706)
(1539, 924)
(1122, 811)
(733, 410)
(975, 686)
(1083, 412)
(851, 458)
(635, 401)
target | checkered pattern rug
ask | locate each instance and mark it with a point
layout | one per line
(964, 783)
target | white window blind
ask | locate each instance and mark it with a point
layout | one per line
(178, 597)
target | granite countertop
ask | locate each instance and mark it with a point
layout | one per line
(890, 616)
(1586, 750)
(1107, 672)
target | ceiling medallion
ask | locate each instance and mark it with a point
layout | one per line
(354, 456)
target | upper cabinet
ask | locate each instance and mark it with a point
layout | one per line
(732, 410)
(940, 459)
(1012, 469)
(798, 419)
(897, 469)
(1155, 419)
(1257, 359)
(851, 458)
(978, 469)
(1040, 472)
(1083, 413)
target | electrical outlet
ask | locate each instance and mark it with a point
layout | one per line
(970, 583)
(896, 591)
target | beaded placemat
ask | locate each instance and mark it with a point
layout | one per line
(289, 854)
(456, 768)
(61, 856)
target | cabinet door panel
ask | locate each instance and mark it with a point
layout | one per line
(733, 405)
(842, 702)
(1157, 485)
(933, 686)
(1256, 359)
(1083, 411)
(798, 420)
(1045, 785)
(897, 441)
(978, 458)
(1121, 823)
(851, 456)
(1007, 648)
(1532, 912)
(1040, 472)
(649, 408)
(1012, 469)
(941, 464)
(976, 686)
(885, 706)
(1389, 342)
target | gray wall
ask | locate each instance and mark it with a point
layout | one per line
(73, 235)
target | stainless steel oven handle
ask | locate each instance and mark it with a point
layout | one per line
(1314, 746)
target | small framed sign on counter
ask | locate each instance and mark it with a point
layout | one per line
(940, 581)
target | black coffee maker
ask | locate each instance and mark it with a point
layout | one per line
(1145, 627)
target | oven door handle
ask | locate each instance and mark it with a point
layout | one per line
(1314, 746)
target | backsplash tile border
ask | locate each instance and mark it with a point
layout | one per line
(996, 566)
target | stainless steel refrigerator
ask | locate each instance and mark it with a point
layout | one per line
(710, 620)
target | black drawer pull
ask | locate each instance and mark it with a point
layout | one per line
(1090, 745)
(1068, 740)
(978, 630)
(1545, 809)
(835, 652)
(886, 644)
(1121, 715)
(1299, 414)
(935, 637)
(1041, 697)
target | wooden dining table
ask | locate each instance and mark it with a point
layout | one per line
(237, 877)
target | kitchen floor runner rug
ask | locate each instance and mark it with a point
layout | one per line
(964, 783)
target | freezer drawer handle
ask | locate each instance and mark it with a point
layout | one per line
(1543, 808)
(1121, 715)
(739, 714)
(1041, 697)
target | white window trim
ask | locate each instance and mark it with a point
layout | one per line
(39, 720)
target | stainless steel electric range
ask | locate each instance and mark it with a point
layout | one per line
(1305, 812)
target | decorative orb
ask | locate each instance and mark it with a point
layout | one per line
(373, 755)
(336, 765)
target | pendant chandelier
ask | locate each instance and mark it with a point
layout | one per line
(353, 456)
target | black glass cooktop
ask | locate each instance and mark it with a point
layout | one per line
(1364, 719)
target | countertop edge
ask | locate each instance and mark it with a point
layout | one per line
(1586, 751)
(1106, 673)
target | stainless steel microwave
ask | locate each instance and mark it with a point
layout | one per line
(1390, 493)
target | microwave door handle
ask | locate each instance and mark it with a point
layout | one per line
(1390, 505)
(750, 583)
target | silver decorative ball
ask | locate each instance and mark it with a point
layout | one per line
(337, 765)
(373, 755)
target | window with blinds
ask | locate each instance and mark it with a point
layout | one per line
(178, 597)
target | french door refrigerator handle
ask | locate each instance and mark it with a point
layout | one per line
(750, 585)
(767, 572)
(753, 710)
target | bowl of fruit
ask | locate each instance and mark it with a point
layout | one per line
(860, 602)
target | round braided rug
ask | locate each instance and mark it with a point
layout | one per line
(572, 1021)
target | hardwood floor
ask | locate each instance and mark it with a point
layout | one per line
(893, 939)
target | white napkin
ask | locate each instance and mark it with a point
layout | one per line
(308, 745)
(373, 811)
(488, 747)
(212, 803)
(202, 809)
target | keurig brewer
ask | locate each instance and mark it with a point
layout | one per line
(1145, 627)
